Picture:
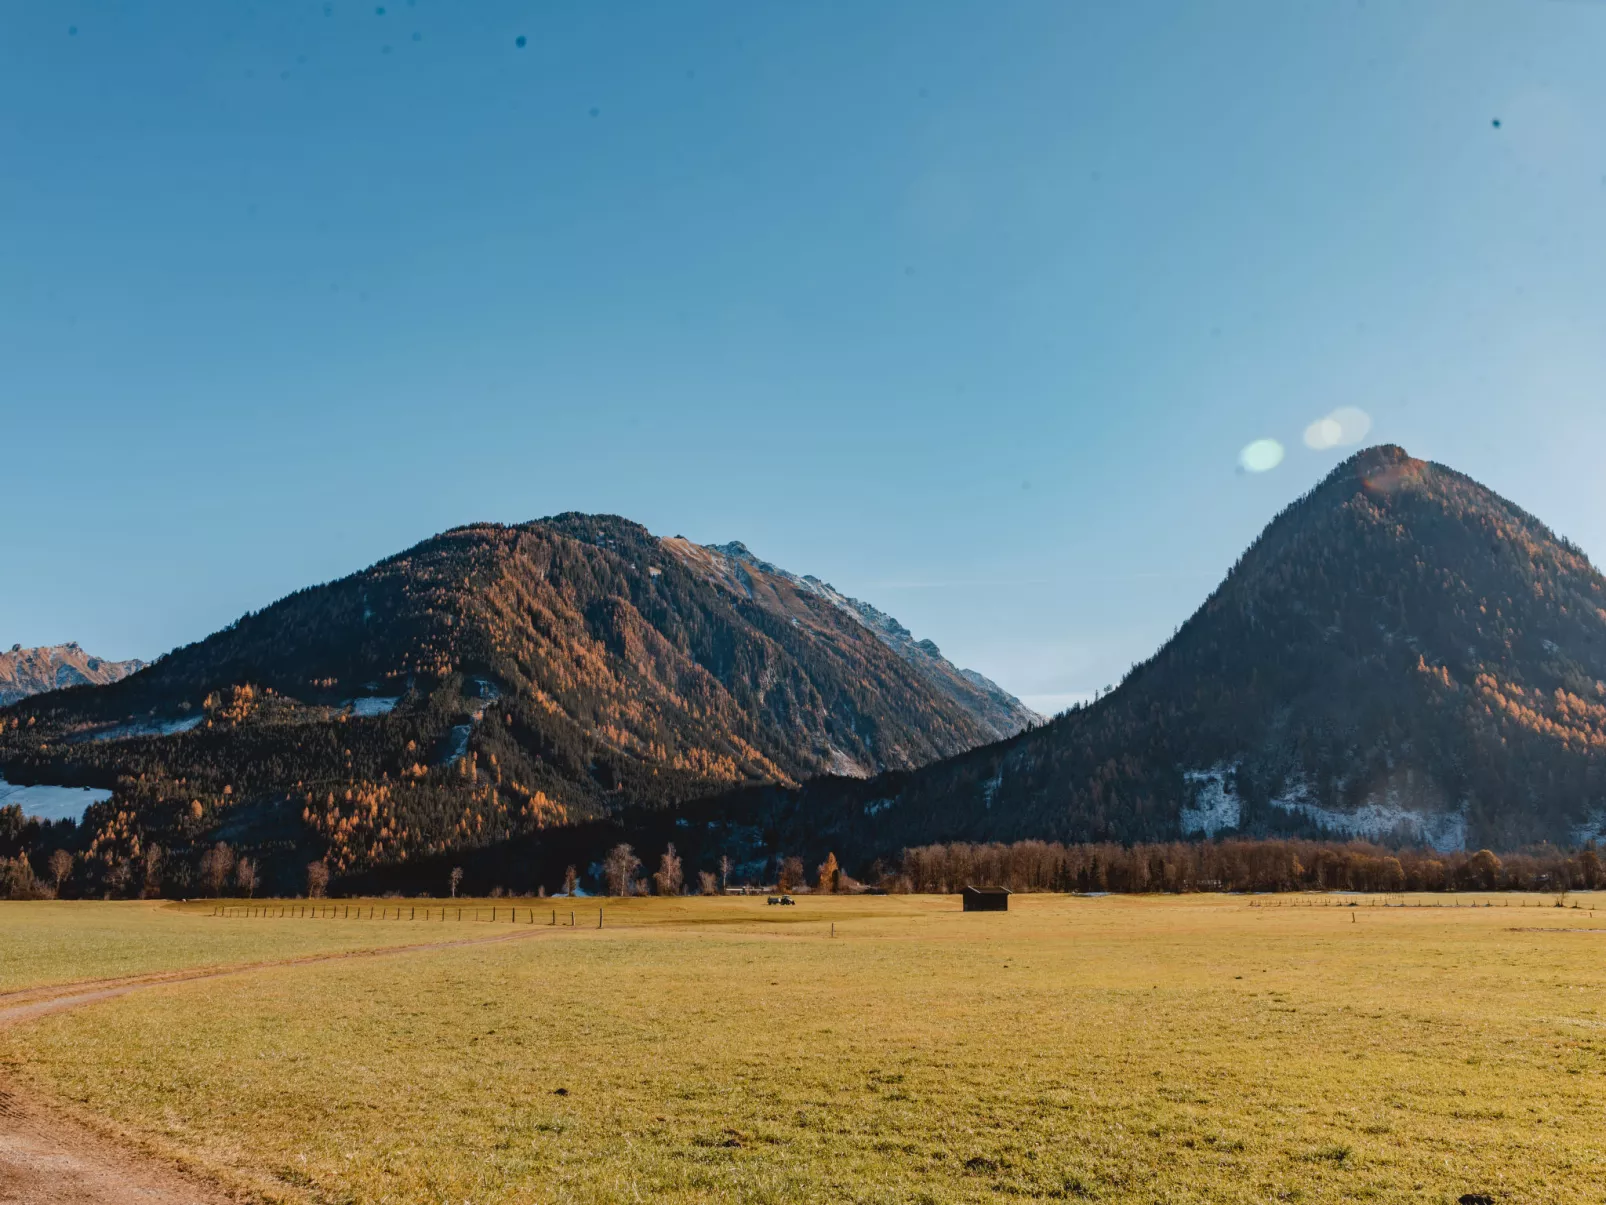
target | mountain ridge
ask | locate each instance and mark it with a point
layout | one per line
(31, 671)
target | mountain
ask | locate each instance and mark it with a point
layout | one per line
(1402, 655)
(495, 681)
(25, 672)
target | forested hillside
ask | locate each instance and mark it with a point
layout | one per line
(489, 682)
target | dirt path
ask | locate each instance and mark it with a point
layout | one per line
(49, 1159)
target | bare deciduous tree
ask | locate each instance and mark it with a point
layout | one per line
(706, 883)
(216, 863)
(791, 876)
(317, 880)
(245, 877)
(457, 879)
(118, 878)
(619, 869)
(153, 872)
(570, 882)
(667, 879)
(60, 868)
(724, 872)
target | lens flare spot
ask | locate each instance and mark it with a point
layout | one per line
(1322, 434)
(1261, 456)
(1346, 425)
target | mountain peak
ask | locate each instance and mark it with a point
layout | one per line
(25, 672)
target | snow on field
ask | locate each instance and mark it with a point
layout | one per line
(123, 732)
(52, 803)
(373, 706)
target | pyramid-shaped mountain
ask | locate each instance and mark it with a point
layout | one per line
(1401, 655)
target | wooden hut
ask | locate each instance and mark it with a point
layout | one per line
(986, 899)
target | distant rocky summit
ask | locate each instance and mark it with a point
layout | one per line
(25, 672)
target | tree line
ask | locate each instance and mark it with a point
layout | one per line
(1267, 865)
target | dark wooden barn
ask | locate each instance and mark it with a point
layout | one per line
(986, 899)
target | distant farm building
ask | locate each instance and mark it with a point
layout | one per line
(986, 899)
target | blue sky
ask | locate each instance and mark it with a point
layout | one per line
(967, 308)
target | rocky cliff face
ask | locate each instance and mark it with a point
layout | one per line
(737, 569)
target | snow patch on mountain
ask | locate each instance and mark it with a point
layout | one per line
(1378, 817)
(989, 789)
(1214, 806)
(1593, 828)
(51, 803)
(123, 732)
(373, 706)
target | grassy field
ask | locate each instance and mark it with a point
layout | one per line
(1117, 1049)
(66, 942)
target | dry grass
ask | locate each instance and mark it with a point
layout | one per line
(1121, 1049)
(43, 944)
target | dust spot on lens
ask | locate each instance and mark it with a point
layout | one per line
(520, 41)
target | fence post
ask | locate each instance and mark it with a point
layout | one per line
(599, 918)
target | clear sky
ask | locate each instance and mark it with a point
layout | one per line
(967, 308)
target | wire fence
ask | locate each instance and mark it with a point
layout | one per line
(438, 913)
